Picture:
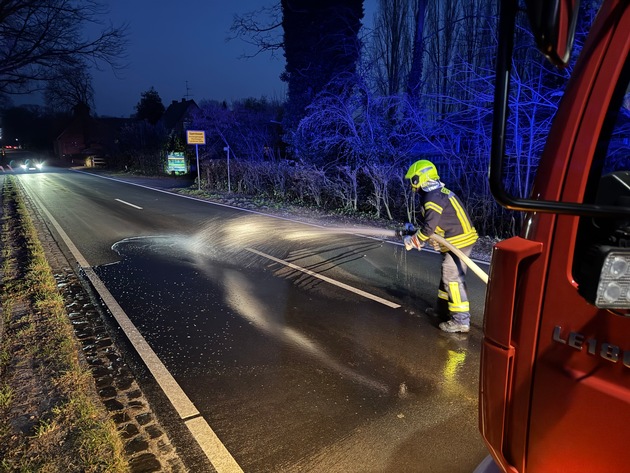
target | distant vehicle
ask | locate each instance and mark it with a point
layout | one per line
(30, 165)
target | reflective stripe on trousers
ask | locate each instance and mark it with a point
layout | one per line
(453, 284)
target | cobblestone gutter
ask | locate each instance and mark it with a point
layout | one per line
(148, 447)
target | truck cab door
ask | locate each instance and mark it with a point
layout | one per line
(555, 371)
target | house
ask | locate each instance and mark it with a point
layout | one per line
(89, 141)
(85, 138)
(178, 116)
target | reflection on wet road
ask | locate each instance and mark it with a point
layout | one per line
(291, 378)
(292, 372)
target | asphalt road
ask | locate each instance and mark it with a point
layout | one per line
(298, 348)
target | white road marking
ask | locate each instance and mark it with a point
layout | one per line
(184, 406)
(327, 279)
(221, 459)
(127, 203)
(216, 452)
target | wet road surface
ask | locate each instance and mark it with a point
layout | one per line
(292, 372)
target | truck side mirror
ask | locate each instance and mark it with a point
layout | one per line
(553, 24)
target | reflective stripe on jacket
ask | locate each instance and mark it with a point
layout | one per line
(445, 215)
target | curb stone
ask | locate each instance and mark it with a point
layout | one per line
(147, 445)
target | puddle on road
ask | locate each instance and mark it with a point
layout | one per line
(237, 337)
(191, 296)
(214, 306)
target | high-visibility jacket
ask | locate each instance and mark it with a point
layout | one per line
(445, 215)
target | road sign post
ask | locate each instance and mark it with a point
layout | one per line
(227, 148)
(196, 137)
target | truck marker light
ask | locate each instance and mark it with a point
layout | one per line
(611, 293)
(618, 267)
(614, 283)
(604, 277)
(604, 350)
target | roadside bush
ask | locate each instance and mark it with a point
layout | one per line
(379, 190)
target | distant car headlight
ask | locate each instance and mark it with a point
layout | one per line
(23, 166)
(39, 166)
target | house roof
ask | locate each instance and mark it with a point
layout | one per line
(177, 112)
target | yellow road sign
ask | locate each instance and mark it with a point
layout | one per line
(194, 137)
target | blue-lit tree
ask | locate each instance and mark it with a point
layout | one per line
(390, 52)
(248, 127)
(359, 131)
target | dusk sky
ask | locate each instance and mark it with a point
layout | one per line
(175, 45)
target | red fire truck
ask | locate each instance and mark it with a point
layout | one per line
(555, 369)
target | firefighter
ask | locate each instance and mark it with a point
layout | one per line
(443, 214)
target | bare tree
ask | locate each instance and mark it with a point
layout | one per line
(414, 78)
(348, 128)
(310, 183)
(41, 38)
(443, 23)
(247, 127)
(392, 45)
(381, 176)
(260, 28)
(344, 184)
(72, 87)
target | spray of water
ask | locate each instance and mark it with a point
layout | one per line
(230, 237)
(227, 240)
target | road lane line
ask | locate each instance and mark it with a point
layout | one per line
(215, 451)
(327, 279)
(127, 203)
(183, 405)
(222, 461)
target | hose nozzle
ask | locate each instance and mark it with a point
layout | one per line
(407, 230)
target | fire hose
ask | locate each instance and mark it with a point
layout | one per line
(410, 230)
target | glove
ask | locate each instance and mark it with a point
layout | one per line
(412, 242)
(409, 229)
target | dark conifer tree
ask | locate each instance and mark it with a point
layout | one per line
(320, 43)
(150, 107)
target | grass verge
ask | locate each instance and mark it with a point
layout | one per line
(51, 418)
